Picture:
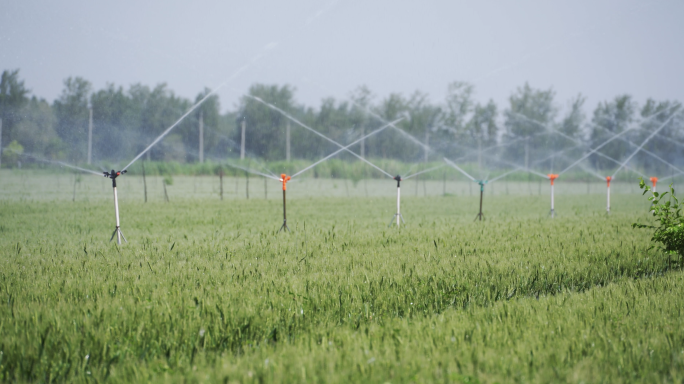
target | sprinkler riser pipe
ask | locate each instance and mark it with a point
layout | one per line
(608, 202)
(398, 205)
(116, 211)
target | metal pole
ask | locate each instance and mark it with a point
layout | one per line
(287, 141)
(242, 140)
(284, 179)
(201, 137)
(481, 196)
(90, 135)
(116, 210)
(552, 211)
(398, 204)
(608, 194)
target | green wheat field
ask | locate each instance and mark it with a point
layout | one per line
(208, 291)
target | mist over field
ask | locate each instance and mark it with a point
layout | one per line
(341, 191)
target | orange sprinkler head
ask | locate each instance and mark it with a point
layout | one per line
(608, 178)
(654, 180)
(552, 177)
(284, 178)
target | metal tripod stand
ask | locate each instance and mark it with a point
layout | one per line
(398, 214)
(117, 231)
(480, 215)
(284, 178)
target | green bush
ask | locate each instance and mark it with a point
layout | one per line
(668, 213)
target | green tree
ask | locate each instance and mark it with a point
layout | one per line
(530, 113)
(36, 130)
(653, 115)
(13, 98)
(71, 111)
(482, 125)
(609, 119)
(114, 119)
(265, 132)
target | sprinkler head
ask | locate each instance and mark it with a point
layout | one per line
(284, 178)
(113, 174)
(654, 180)
(608, 179)
(398, 179)
(552, 177)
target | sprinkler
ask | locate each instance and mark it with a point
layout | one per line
(398, 214)
(482, 184)
(552, 177)
(117, 231)
(654, 180)
(608, 178)
(284, 178)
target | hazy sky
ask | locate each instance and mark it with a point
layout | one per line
(323, 48)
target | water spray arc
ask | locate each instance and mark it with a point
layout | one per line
(398, 214)
(117, 231)
(284, 178)
(552, 177)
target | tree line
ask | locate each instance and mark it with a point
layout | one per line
(529, 128)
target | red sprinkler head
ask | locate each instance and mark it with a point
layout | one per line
(552, 177)
(608, 179)
(654, 180)
(284, 178)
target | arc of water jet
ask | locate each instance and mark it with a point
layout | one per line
(587, 169)
(287, 115)
(505, 174)
(583, 144)
(594, 151)
(251, 171)
(646, 151)
(56, 162)
(174, 125)
(235, 74)
(473, 152)
(234, 144)
(459, 169)
(377, 116)
(677, 111)
(671, 176)
(521, 167)
(557, 154)
(421, 172)
(344, 148)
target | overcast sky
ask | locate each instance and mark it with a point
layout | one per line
(323, 48)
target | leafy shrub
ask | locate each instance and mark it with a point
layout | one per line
(668, 214)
